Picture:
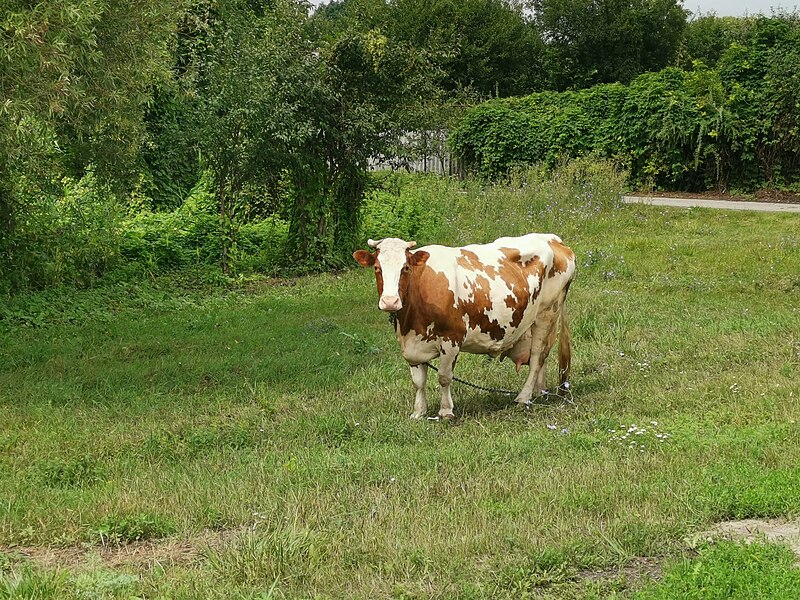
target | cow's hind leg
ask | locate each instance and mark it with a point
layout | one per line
(541, 377)
(543, 335)
(446, 364)
(419, 375)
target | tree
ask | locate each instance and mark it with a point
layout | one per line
(254, 71)
(604, 41)
(74, 82)
(484, 44)
(276, 106)
(708, 36)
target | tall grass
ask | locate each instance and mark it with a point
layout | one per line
(262, 426)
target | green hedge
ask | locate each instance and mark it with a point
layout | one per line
(736, 126)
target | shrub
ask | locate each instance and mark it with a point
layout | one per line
(70, 234)
(730, 127)
(121, 529)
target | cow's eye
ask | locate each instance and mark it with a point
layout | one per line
(377, 269)
(406, 269)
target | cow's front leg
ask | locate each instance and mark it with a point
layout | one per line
(446, 364)
(419, 375)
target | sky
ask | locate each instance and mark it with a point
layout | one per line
(738, 8)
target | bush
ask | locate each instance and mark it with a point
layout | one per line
(70, 234)
(192, 235)
(730, 127)
(577, 194)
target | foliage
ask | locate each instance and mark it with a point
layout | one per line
(588, 42)
(69, 234)
(487, 46)
(708, 36)
(730, 127)
(74, 81)
(191, 236)
(170, 157)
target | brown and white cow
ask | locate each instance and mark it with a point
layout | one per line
(503, 299)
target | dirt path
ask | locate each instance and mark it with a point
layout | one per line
(708, 203)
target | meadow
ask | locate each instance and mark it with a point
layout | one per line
(175, 438)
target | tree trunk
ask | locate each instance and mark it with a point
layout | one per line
(7, 227)
(308, 228)
(347, 195)
(222, 197)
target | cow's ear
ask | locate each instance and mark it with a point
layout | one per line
(418, 258)
(364, 258)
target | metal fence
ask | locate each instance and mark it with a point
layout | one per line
(424, 152)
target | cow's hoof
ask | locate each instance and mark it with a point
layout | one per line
(447, 416)
(416, 417)
(526, 404)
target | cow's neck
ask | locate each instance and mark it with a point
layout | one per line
(412, 304)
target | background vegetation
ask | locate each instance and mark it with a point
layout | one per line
(236, 135)
(730, 125)
(178, 438)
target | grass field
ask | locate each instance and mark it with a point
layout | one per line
(168, 439)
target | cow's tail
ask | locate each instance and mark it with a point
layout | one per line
(564, 345)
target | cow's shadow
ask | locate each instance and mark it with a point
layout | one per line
(480, 403)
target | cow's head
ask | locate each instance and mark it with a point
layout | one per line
(393, 262)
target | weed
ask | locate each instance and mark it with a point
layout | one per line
(77, 472)
(103, 583)
(264, 558)
(29, 582)
(122, 529)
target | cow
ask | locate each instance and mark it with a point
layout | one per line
(503, 299)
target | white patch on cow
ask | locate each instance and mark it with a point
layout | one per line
(392, 259)
(416, 349)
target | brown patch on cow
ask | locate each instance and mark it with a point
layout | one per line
(477, 308)
(378, 276)
(428, 301)
(364, 258)
(515, 274)
(469, 260)
(562, 257)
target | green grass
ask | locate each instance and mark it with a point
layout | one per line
(262, 426)
(730, 571)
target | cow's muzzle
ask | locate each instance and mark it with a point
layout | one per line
(390, 303)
